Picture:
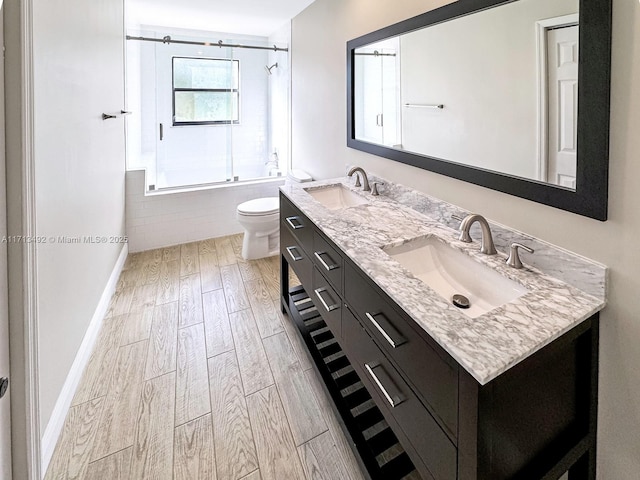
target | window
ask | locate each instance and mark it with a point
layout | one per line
(205, 91)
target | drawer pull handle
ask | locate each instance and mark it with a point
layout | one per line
(387, 330)
(295, 226)
(390, 392)
(329, 308)
(295, 257)
(328, 267)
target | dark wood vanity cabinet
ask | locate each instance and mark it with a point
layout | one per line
(430, 371)
(432, 452)
(537, 420)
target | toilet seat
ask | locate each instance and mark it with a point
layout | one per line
(259, 207)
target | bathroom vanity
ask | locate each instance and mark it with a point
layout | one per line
(425, 389)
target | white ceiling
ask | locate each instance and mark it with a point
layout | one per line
(251, 17)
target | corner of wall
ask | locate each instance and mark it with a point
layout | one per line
(63, 404)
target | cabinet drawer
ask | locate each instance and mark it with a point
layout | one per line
(296, 223)
(398, 404)
(435, 379)
(328, 260)
(328, 303)
(295, 256)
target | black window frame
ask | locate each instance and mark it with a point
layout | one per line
(216, 90)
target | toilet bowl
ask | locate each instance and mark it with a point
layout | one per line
(260, 219)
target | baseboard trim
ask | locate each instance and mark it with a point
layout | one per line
(59, 414)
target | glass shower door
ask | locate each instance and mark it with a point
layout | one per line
(376, 99)
(193, 148)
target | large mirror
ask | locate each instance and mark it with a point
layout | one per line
(511, 95)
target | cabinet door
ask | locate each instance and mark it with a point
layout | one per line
(421, 435)
(434, 378)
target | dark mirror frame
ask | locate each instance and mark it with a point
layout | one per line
(594, 73)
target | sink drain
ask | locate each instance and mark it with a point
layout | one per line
(460, 301)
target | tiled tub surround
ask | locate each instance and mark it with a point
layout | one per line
(157, 220)
(491, 343)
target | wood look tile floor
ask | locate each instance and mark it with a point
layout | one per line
(197, 375)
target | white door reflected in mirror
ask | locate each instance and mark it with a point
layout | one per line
(562, 101)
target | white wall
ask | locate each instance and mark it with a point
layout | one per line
(319, 35)
(157, 220)
(79, 172)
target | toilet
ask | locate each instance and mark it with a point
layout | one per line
(260, 219)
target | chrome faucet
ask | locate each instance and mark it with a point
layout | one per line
(365, 180)
(487, 245)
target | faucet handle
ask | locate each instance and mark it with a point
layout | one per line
(514, 256)
(357, 184)
(374, 188)
(455, 216)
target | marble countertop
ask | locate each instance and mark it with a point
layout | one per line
(485, 346)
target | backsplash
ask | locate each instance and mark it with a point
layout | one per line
(582, 273)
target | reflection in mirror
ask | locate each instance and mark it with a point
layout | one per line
(496, 90)
(378, 94)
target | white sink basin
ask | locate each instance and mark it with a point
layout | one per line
(449, 272)
(336, 197)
